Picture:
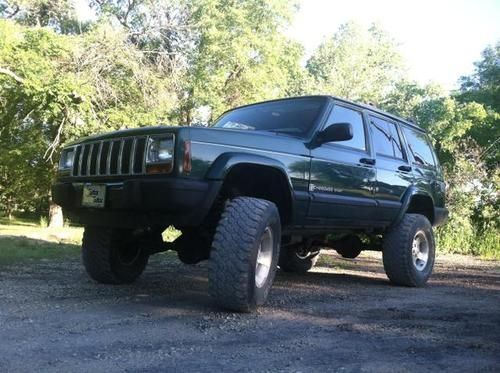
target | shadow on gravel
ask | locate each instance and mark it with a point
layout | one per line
(344, 316)
(330, 279)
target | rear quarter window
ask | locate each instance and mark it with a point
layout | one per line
(419, 147)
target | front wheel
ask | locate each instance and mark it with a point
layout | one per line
(409, 251)
(244, 254)
(113, 256)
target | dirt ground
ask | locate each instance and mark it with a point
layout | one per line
(342, 317)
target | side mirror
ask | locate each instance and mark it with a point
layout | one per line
(335, 132)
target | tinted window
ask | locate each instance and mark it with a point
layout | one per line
(341, 114)
(419, 147)
(386, 138)
(294, 117)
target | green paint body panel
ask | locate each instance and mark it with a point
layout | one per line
(330, 187)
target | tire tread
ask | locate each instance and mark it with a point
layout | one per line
(232, 247)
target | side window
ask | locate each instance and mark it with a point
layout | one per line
(342, 114)
(419, 147)
(386, 138)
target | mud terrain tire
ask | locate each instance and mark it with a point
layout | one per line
(112, 256)
(244, 254)
(409, 251)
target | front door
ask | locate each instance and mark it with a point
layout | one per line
(342, 175)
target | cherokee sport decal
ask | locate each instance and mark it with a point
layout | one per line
(320, 188)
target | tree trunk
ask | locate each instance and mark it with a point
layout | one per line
(56, 219)
(9, 209)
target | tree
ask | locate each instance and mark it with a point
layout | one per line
(58, 14)
(160, 28)
(483, 85)
(221, 53)
(55, 88)
(239, 54)
(358, 64)
(407, 96)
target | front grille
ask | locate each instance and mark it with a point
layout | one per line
(110, 157)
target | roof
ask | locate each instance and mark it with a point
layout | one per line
(364, 106)
(379, 111)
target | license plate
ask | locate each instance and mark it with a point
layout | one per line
(94, 195)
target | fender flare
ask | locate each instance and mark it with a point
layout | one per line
(224, 163)
(405, 203)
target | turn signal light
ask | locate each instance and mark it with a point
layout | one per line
(153, 169)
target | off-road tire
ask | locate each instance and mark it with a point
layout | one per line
(233, 258)
(397, 251)
(291, 262)
(112, 256)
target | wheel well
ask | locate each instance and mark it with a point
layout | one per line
(261, 182)
(422, 205)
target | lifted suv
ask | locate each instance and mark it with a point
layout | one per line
(269, 184)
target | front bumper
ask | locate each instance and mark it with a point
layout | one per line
(139, 203)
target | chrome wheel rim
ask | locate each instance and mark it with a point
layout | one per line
(420, 251)
(264, 258)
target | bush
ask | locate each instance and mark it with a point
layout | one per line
(43, 222)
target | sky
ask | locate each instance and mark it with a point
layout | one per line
(439, 39)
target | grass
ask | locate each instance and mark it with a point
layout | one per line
(26, 239)
(30, 229)
(466, 240)
(18, 249)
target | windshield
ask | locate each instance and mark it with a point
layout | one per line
(293, 116)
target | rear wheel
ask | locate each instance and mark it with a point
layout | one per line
(113, 256)
(244, 254)
(409, 251)
(298, 260)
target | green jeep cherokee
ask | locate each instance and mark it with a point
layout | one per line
(267, 185)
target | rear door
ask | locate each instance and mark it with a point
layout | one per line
(342, 175)
(394, 173)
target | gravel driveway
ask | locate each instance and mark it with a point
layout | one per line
(343, 317)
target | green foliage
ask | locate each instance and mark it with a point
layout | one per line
(472, 198)
(357, 64)
(240, 56)
(58, 14)
(484, 84)
(43, 222)
(407, 97)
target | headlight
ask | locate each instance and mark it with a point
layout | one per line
(160, 150)
(67, 158)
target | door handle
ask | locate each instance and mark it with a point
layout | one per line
(404, 168)
(370, 161)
